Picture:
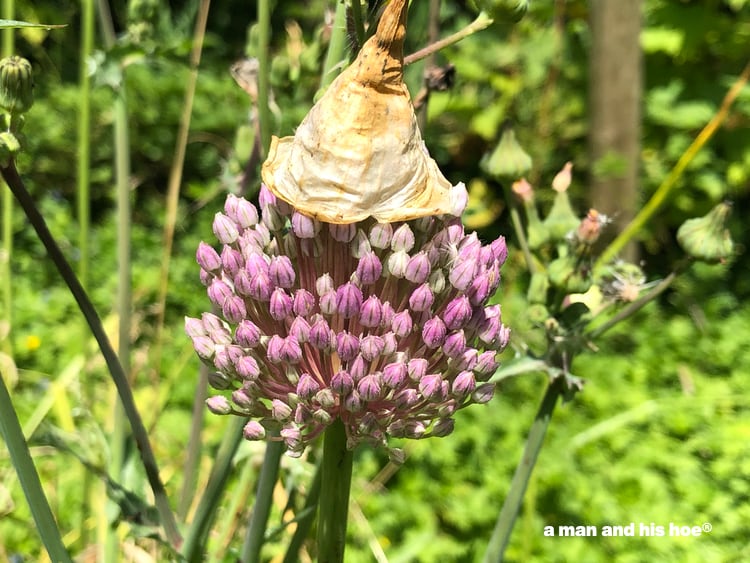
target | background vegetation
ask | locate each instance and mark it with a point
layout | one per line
(660, 433)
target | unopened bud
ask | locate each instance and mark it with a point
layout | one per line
(705, 238)
(16, 85)
(508, 160)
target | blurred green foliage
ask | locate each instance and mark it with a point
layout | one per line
(660, 432)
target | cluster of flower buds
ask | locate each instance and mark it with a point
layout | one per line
(383, 325)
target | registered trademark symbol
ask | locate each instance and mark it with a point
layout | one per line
(707, 527)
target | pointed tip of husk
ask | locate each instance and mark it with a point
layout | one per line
(359, 153)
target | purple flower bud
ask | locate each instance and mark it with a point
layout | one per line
(251, 241)
(280, 410)
(234, 309)
(388, 314)
(467, 360)
(352, 402)
(499, 250)
(225, 230)
(369, 387)
(359, 245)
(403, 239)
(455, 344)
(397, 263)
(219, 405)
(302, 414)
(206, 277)
(307, 386)
(292, 440)
(243, 400)
(248, 368)
(204, 347)
(304, 302)
(218, 292)
(321, 335)
(194, 327)
(281, 271)
(273, 348)
(266, 197)
(490, 330)
(291, 351)
(369, 268)
(231, 261)
(342, 233)
(434, 332)
(418, 268)
(300, 330)
(390, 343)
(422, 298)
(328, 303)
(241, 211)
(463, 274)
(371, 313)
(463, 385)
(342, 383)
(207, 258)
(487, 364)
(358, 368)
(414, 429)
(457, 313)
(443, 427)
(402, 324)
(480, 289)
(216, 329)
(272, 219)
(417, 368)
(323, 284)
(253, 431)
(348, 300)
(394, 374)
(256, 263)
(347, 346)
(470, 247)
(304, 226)
(406, 398)
(372, 347)
(280, 305)
(381, 235)
(247, 334)
(430, 386)
(483, 393)
(437, 282)
(260, 287)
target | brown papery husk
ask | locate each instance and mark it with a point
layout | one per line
(359, 153)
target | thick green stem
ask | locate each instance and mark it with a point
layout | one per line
(509, 512)
(305, 520)
(6, 305)
(264, 74)
(269, 473)
(140, 435)
(83, 160)
(359, 23)
(10, 429)
(334, 494)
(336, 47)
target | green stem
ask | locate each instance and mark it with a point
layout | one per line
(304, 522)
(10, 429)
(669, 183)
(336, 47)
(509, 512)
(84, 139)
(483, 21)
(6, 306)
(193, 455)
(359, 23)
(269, 473)
(192, 549)
(334, 494)
(264, 74)
(140, 435)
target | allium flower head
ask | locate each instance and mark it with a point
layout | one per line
(381, 321)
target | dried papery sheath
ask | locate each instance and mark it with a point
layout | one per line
(359, 297)
(359, 153)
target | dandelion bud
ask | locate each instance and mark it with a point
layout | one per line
(508, 161)
(16, 85)
(705, 238)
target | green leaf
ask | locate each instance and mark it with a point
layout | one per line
(6, 24)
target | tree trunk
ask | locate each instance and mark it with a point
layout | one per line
(615, 110)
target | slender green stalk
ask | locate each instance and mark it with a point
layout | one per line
(192, 459)
(670, 182)
(264, 74)
(256, 530)
(12, 434)
(359, 23)
(483, 21)
(175, 178)
(334, 494)
(6, 285)
(140, 435)
(84, 138)
(193, 548)
(304, 522)
(336, 47)
(506, 520)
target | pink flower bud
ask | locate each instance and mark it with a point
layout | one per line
(207, 258)
(225, 230)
